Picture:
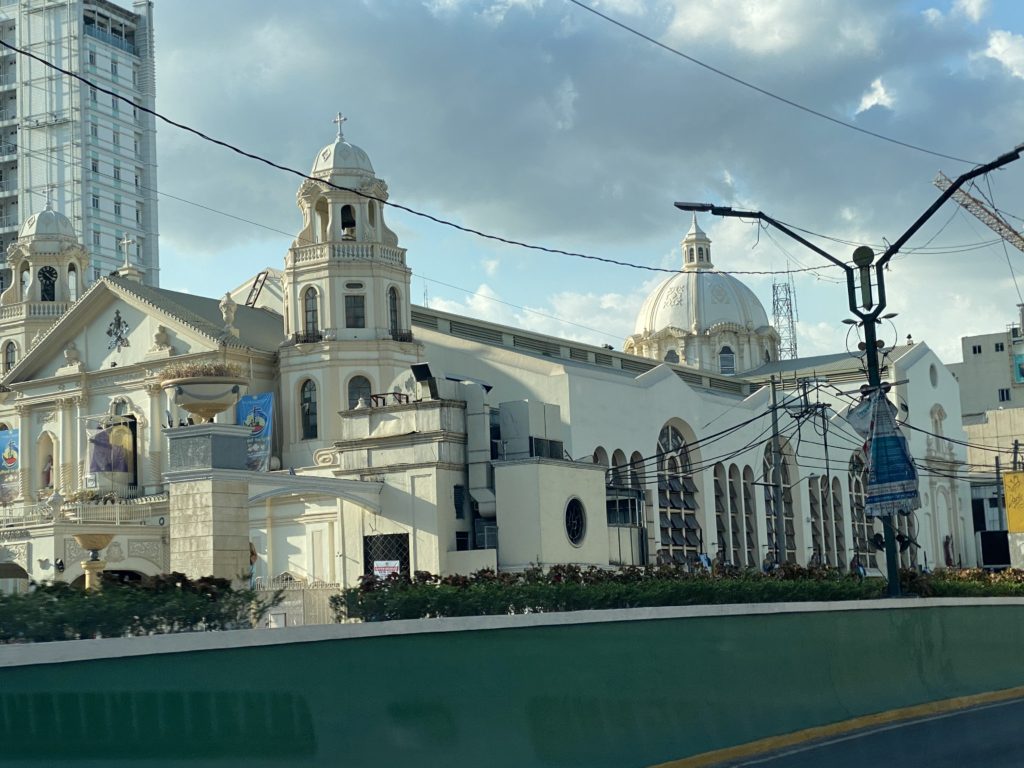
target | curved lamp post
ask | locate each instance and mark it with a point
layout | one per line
(866, 309)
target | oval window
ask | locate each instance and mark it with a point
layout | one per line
(575, 522)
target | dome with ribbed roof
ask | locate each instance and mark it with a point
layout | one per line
(703, 318)
(342, 157)
(48, 223)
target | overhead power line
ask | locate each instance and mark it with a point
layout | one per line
(422, 214)
(765, 91)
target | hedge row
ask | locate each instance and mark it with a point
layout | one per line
(569, 588)
(157, 605)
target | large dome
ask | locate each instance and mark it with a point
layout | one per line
(341, 157)
(697, 301)
(702, 318)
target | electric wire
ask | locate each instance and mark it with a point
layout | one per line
(764, 91)
(110, 219)
(390, 203)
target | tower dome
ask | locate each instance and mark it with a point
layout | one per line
(341, 157)
(703, 318)
(48, 224)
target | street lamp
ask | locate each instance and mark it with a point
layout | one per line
(866, 309)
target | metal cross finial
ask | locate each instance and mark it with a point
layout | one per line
(339, 120)
(125, 242)
(49, 197)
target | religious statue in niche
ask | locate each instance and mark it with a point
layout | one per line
(118, 332)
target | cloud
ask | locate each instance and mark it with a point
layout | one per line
(1008, 49)
(490, 267)
(565, 105)
(775, 27)
(972, 9)
(557, 128)
(875, 96)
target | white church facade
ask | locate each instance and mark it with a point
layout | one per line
(412, 439)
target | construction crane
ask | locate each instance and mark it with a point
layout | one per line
(983, 213)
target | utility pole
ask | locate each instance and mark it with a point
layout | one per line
(999, 496)
(867, 309)
(780, 518)
(1016, 455)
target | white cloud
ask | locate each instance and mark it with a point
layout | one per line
(565, 105)
(1008, 49)
(774, 27)
(972, 9)
(490, 267)
(932, 15)
(875, 96)
(591, 318)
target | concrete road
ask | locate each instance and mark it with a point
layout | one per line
(990, 735)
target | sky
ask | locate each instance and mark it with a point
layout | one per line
(536, 120)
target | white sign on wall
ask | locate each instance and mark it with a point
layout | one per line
(384, 568)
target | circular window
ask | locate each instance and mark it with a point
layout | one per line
(575, 521)
(933, 375)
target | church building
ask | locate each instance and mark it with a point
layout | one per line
(409, 439)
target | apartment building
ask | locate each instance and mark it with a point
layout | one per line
(66, 140)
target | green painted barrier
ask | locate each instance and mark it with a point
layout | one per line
(647, 687)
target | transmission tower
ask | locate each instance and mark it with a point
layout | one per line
(784, 317)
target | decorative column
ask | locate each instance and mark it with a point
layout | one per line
(24, 452)
(153, 477)
(64, 468)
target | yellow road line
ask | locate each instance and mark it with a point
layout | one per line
(775, 743)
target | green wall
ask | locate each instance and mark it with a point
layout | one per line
(617, 694)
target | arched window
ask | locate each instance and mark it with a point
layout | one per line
(700, 254)
(358, 387)
(26, 280)
(307, 409)
(72, 283)
(47, 284)
(311, 312)
(671, 356)
(691, 256)
(862, 527)
(750, 517)
(394, 316)
(618, 474)
(348, 218)
(789, 535)
(10, 356)
(322, 220)
(726, 360)
(601, 456)
(721, 513)
(636, 470)
(681, 539)
(371, 211)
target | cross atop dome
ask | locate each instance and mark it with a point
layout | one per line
(339, 120)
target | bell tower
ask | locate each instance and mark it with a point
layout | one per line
(47, 267)
(347, 297)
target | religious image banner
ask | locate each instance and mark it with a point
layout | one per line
(10, 464)
(111, 447)
(257, 413)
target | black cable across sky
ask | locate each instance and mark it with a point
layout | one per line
(421, 214)
(764, 91)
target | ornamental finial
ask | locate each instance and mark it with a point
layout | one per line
(339, 120)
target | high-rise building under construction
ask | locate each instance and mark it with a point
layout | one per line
(73, 141)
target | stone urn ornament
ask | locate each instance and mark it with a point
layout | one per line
(93, 567)
(204, 389)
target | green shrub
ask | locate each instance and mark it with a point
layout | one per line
(156, 605)
(571, 588)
